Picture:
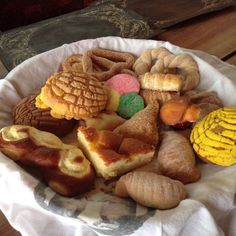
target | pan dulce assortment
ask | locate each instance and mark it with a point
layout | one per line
(107, 114)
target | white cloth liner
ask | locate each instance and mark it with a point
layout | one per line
(210, 208)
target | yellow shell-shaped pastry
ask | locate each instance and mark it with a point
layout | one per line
(214, 137)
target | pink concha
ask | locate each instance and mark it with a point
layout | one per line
(123, 83)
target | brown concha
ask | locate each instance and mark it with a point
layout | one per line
(26, 113)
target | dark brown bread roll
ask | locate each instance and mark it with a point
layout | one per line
(26, 113)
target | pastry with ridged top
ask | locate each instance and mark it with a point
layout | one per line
(72, 95)
(214, 137)
(150, 189)
(26, 113)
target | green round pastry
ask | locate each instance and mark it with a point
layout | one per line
(129, 104)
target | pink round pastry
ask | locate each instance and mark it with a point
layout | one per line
(123, 83)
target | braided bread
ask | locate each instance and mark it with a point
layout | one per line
(145, 62)
(161, 60)
(63, 167)
(187, 67)
(73, 63)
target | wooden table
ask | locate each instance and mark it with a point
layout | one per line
(214, 33)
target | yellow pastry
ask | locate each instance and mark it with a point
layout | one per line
(113, 99)
(214, 137)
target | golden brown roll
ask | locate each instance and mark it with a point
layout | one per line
(72, 95)
(161, 82)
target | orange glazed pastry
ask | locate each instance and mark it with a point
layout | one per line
(178, 111)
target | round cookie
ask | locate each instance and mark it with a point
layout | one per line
(214, 137)
(129, 104)
(26, 113)
(123, 83)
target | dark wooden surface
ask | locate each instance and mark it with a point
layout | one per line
(214, 33)
(5, 228)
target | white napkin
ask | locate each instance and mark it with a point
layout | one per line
(35, 210)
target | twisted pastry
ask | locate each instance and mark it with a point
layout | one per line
(111, 62)
(73, 63)
(145, 62)
(186, 67)
(63, 167)
(161, 60)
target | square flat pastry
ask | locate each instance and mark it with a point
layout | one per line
(112, 154)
